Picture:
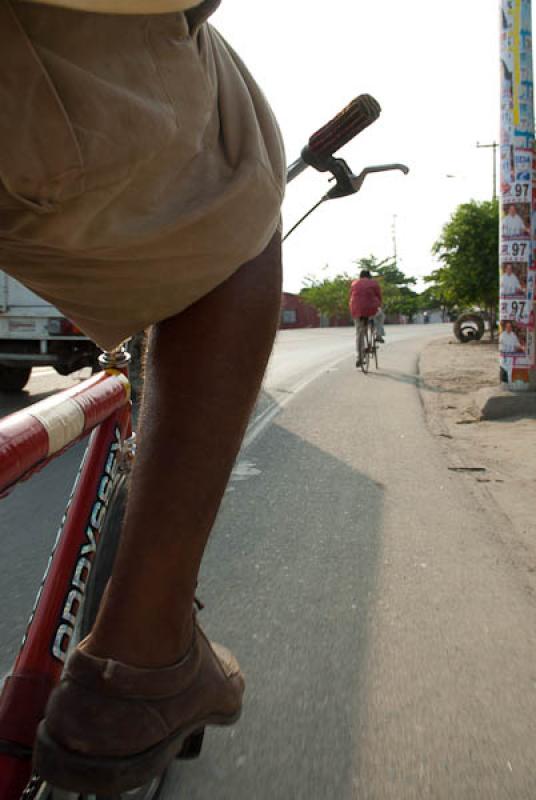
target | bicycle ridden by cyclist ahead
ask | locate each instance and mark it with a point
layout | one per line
(365, 303)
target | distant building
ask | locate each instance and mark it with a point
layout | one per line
(434, 315)
(295, 313)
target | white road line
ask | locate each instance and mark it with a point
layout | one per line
(263, 420)
(261, 423)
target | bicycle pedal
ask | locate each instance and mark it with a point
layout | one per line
(191, 747)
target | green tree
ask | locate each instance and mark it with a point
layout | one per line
(433, 298)
(468, 250)
(329, 296)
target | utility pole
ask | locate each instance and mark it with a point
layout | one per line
(394, 238)
(517, 233)
(494, 145)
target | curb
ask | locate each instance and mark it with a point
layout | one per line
(499, 403)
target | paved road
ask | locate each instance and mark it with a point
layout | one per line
(389, 645)
(301, 356)
(30, 516)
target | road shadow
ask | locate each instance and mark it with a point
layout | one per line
(412, 378)
(288, 581)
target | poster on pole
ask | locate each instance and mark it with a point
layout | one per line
(517, 261)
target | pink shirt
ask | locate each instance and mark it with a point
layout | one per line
(365, 297)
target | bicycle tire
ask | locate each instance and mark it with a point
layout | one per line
(360, 347)
(100, 574)
(105, 556)
(375, 349)
(364, 349)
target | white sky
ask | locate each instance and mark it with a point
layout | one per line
(433, 67)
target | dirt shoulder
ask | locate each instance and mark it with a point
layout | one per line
(497, 456)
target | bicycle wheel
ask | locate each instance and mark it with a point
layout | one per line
(364, 349)
(375, 349)
(100, 574)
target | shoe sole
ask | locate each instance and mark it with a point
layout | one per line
(74, 772)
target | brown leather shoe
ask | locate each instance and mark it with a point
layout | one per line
(110, 728)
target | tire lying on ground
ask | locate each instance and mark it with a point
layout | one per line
(469, 326)
(13, 379)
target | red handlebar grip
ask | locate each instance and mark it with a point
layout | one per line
(357, 116)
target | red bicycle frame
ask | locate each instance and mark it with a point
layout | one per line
(30, 439)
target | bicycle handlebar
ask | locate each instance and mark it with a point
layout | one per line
(318, 153)
(353, 119)
(358, 115)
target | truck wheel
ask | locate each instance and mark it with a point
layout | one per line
(13, 379)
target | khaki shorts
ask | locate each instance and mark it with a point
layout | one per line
(140, 165)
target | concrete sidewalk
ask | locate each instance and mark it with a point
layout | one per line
(498, 455)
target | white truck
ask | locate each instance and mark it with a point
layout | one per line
(34, 333)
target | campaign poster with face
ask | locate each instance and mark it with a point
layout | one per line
(513, 282)
(516, 218)
(512, 339)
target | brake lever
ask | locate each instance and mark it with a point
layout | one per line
(347, 183)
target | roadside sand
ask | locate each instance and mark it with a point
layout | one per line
(499, 456)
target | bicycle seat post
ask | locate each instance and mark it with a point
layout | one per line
(115, 359)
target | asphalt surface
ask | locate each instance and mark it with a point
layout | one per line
(388, 641)
(30, 516)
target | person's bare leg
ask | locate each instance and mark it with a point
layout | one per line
(204, 370)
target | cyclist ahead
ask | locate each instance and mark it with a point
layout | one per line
(366, 302)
